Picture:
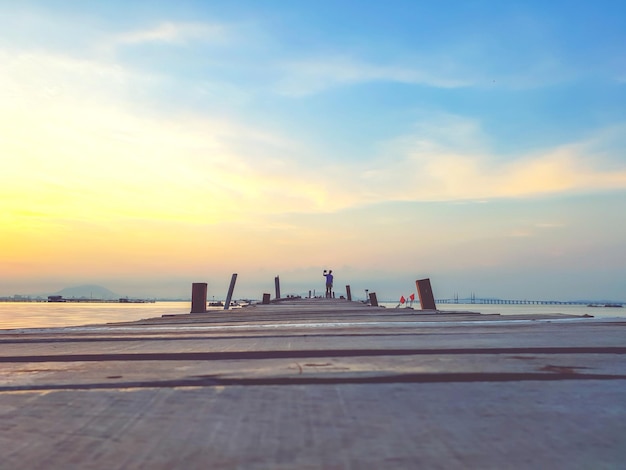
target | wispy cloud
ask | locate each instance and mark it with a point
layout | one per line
(304, 77)
(86, 138)
(422, 167)
(466, 63)
(37, 75)
(87, 107)
(174, 33)
(81, 115)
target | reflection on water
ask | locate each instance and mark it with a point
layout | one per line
(44, 314)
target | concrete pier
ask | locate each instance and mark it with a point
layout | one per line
(317, 384)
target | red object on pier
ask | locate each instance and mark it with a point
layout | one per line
(412, 297)
(402, 300)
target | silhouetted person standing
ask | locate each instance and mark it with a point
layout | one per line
(329, 283)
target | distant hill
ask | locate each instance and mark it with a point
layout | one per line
(88, 291)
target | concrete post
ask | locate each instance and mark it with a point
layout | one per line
(277, 284)
(425, 293)
(231, 288)
(348, 294)
(198, 297)
(373, 299)
(266, 299)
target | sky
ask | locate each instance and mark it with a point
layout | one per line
(146, 145)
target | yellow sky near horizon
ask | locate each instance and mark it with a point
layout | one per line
(154, 202)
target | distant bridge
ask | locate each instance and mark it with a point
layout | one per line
(514, 302)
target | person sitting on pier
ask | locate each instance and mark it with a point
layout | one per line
(329, 283)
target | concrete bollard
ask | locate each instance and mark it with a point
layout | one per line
(348, 294)
(231, 288)
(266, 299)
(425, 293)
(198, 297)
(373, 299)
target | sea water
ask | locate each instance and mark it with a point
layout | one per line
(18, 315)
(58, 314)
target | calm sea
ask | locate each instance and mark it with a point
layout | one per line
(18, 315)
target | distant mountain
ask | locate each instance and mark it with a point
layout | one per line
(88, 291)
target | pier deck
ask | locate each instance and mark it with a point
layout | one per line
(317, 384)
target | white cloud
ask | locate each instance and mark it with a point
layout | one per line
(448, 159)
(88, 139)
(427, 167)
(310, 76)
(174, 33)
(450, 66)
(86, 125)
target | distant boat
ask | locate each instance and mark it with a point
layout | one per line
(233, 303)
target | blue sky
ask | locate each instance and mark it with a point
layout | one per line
(148, 145)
